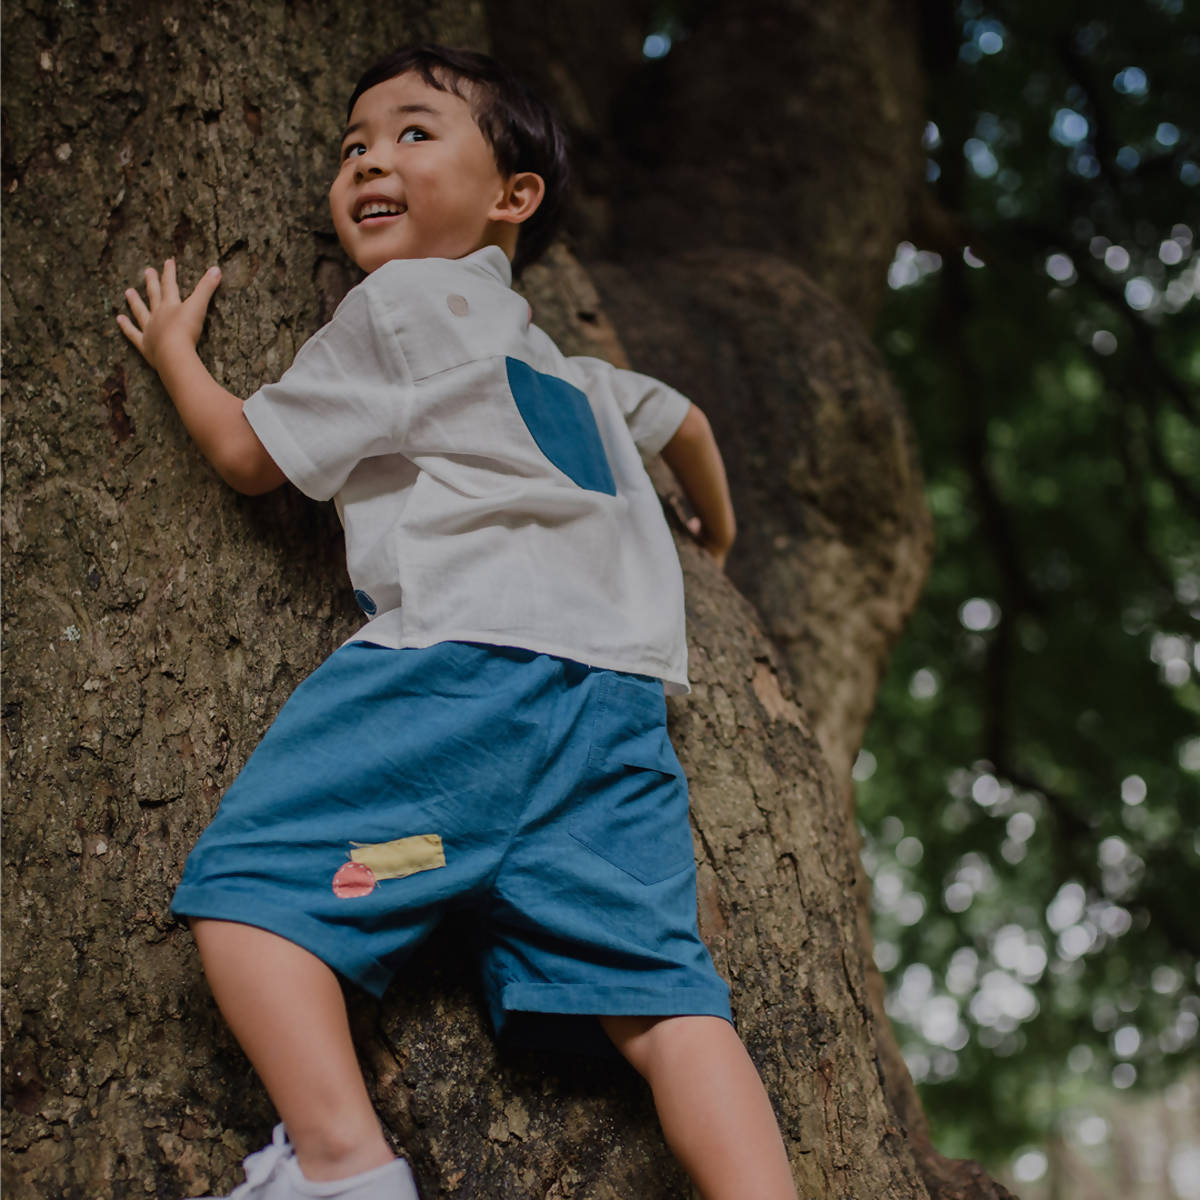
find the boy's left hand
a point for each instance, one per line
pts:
(717, 552)
(169, 321)
(695, 461)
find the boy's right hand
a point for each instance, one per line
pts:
(166, 333)
(169, 321)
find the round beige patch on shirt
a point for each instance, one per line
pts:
(458, 305)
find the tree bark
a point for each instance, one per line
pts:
(155, 621)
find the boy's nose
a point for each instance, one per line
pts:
(370, 162)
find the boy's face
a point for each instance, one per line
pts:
(417, 177)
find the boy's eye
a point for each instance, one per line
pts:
(412, 134)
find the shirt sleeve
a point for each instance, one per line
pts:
(652, 410)
(345, 398)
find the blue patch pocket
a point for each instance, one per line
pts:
(560, 420)
(631, 808)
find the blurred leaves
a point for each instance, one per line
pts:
(1030, 784)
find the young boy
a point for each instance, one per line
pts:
(494, 737)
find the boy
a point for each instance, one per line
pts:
(495, 736)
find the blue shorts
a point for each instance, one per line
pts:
(541, 794)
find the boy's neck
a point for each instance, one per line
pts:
(504, 236)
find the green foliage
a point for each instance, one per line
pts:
(1030, 786)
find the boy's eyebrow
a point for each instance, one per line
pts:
(392, 112)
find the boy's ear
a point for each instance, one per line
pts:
(522, 195)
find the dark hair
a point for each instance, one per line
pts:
(522, 131)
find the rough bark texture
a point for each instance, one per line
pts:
(155, 622)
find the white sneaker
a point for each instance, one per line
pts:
(274, 1174)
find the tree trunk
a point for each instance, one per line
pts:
(155, 621)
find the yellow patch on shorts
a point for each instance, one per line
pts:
(404, 856)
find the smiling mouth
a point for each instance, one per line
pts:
(378, 210)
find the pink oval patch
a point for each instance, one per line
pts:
(353, 879)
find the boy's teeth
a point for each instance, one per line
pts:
(378, 208)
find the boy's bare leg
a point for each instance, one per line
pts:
(714, 1110)
(286, 1009)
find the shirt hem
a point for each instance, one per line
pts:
(674, 683)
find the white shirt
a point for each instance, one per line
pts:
(491, 489)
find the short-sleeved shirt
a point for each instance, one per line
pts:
(491, 489)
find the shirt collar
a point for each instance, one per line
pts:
(491, 260)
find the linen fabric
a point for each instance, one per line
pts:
(492, 490)
(559, 813)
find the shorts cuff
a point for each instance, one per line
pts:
(612, 1001)
(313, 936)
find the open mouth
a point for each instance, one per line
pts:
(377, 211)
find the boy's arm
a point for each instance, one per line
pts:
(166, 335)
(695, 461)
